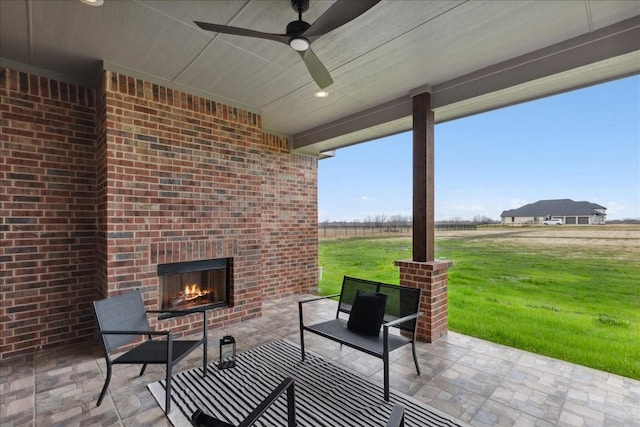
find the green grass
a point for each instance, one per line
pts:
(576, 304)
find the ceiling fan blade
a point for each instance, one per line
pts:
(282, 38)
(319, 73)
(341, 12)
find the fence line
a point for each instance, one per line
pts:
(362, 229)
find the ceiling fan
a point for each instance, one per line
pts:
(301, 34)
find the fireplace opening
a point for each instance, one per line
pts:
(187, 285)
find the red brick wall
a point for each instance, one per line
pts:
(190, 179)
(99, 188)
(47, 212)
(101, 195)
(289, 210)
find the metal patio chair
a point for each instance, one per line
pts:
(123, 320)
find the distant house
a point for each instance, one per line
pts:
(571, 212)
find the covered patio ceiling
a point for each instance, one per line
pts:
(473, 56)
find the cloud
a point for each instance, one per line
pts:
(366, 198)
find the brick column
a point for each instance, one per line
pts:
(431, 277)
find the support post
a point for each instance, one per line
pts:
(423, 272)
(423, 179)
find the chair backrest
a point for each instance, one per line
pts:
(124, 312)
(401, 300)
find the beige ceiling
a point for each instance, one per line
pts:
(472, 56)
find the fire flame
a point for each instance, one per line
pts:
(193, 291)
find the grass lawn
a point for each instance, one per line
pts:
(579, 303)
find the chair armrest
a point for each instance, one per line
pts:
(318, 298)
(200, 419)
(190, 311)
(202, 311)
(286, 385)
(134, 332)
(402, 319)
(311, 300)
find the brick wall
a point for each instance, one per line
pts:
(290, 250)
(183, 184)
(47, 212)
(130, 176)
(101, 196)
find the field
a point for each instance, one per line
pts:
(569, 292)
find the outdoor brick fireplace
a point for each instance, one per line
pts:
(193, 188)
(196, 284)
(107, 187)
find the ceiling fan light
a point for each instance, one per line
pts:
(93, 2)
(299, 43)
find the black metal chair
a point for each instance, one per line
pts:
(200, 419)
(401, 311)
(123, 320)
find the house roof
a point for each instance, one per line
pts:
(473, 56)
(559, 207)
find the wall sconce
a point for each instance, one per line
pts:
(227, 352)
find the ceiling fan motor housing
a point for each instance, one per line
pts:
(295, 28)
(300, 6)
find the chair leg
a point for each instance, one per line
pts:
(167, 400)
(415, 358)
(167, 403)
(106, 383)
(301, 329)
(144, 366)
(385, 360)
(302, 344)
(204, 359)
(204, 344)
(291, 407)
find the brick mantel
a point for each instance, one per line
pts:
(169, 252)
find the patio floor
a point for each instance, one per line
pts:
(479, 382)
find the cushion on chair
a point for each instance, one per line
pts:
(367, 313)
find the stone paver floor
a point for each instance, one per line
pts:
(481, 383)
